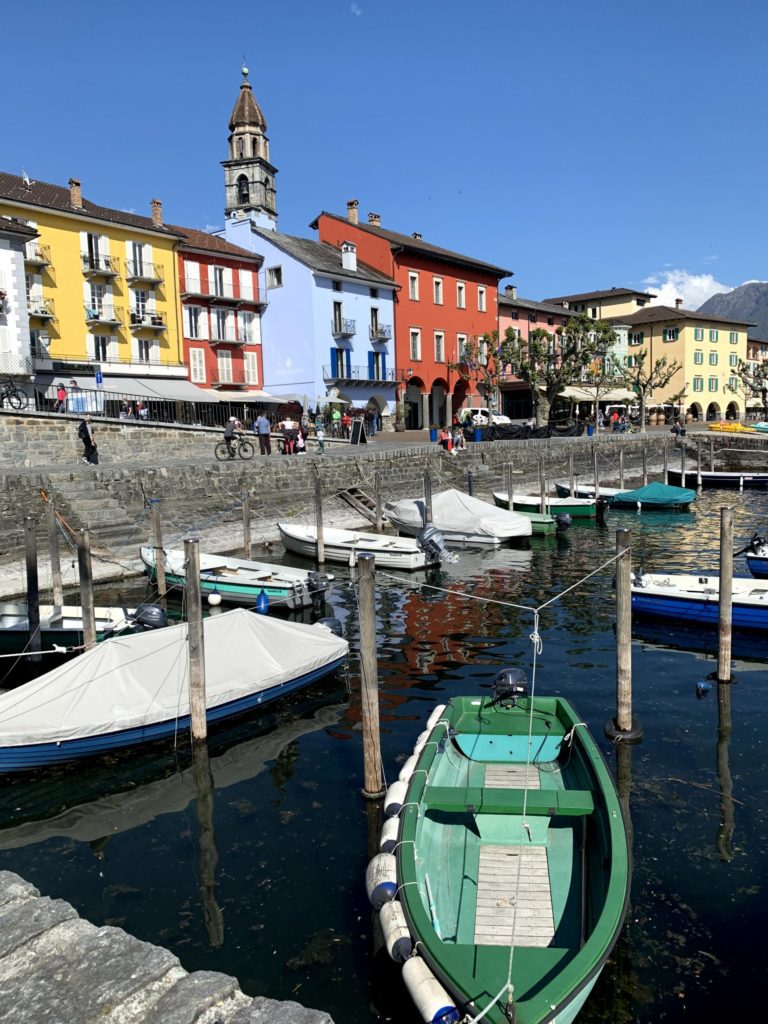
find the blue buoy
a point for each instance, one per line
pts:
(262, 602)
(702, 689)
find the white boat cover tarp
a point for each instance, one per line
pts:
(455, 512)
(133, 681)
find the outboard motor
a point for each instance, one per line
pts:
(318, 583)
(563, 521)
(510, 684)
(600, 506)
(758, 545)
(331, 623)
(149, 616)
(431, 541)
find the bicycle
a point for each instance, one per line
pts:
(10, 393)
(240, 446)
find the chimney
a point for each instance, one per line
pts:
(157, 212)
(511, 290)
(75, 194)
(374, 219)
(352, 214)
(678, 303)
(349, 256)
(417, 235)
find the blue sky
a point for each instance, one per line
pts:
(581, 144)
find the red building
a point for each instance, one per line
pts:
(221, 306)
(444, 298)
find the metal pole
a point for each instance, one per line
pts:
(621, 469)
(571, 479)
(195, 643)
(369, 680)
(682, 465)
(86, 589)
(470, 483)
(725, 615)
(644, 454)
(509, 473)
(53, 544)
(33, 587)
(319, 521)
(428, 496)
(711, 453)
(623, 632)
(377, 496)
(542, 488)
(698, 466)
(246, 525)
(666, 466)
(157, 539)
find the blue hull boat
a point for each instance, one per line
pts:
(696, 599)
(758, 566)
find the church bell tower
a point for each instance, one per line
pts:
(249, 177)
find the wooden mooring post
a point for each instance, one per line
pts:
(623, 727)
(33, 588)
(683, 453)
(369, 678)
(698, 466)
(470, 483)
(666, 464)
(594, 471)
(571, 478)
(57, 590)
(319, 521)
(377, 497)
(510, 480)
(195, 643)
(157, 543)
(621, 469)
(247, 525)
(86, 589)
(542, 487)
(428, 496)
(644, 454)
(725, 606)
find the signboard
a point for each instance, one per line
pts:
(358, 432)
(99, 379)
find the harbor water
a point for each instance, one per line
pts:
(269, 885)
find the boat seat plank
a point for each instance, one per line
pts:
(491, 800)
(513, 897)
(503, 776)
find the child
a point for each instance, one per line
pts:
(320, 435)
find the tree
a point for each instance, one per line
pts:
(484, 360)
(643, 380)
(603, 376)
(753, 380)
(549, 363)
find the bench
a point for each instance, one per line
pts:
(480, 800)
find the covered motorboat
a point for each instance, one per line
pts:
(460, 518)
(655, 497)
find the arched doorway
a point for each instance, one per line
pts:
(695, 411)
(413, 404)
(437, 402)
(713, 411)
(732, 411)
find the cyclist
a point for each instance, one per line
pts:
(230, 433)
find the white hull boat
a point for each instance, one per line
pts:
(345, 545)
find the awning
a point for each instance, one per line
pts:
(131, 387)
(177, 391)
(587, 394)
(262, 397)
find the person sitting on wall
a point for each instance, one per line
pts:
(444, 439)
(459, 444)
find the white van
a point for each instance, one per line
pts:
(480, 416)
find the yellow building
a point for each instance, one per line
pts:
(101, 284)
(602, 305)
(708, 348)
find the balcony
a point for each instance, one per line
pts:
(361, 375)
(36, 255)
(105, 313)
(224, 299)
(41, 309)
(380, 332)
(343, 328)
(232, 384)
(81, 362)
(140, 270)
(147, 320)
(194, 289)
(100, 266)
(225, 339)
(12, 365)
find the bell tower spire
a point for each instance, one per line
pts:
(249, 177)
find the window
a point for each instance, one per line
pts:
(221, 328)
(733, 337)
(137, 258)
(593, 312)
(698, 383)
(100, 348)
(514, 314)
(143, 349)
(461, 295)
(245, 325)
(481, 299)
(631, 360)
(415, 343)
(671, 333)
(439, 347)
(218, 280)
(413, 286)
(338, 318)
(437, 285)
(713, 383)
(193, 321)
(551, 321)
(698, 334)
(713, 335)
(275, 277)
(532, 317)
(224, 360)
(733, 383)
(733, 359)
(197, 365)
(374, 293)
(461, 345)
(713, 358)
(251, 368)
(635, 339)
(698, 357)
(140, 300)
(337, 286)
(192, 277)
(374, 321)
(97, 299)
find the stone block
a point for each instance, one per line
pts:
(190, 997)
(25, 920)
(268, 1011)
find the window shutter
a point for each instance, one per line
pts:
(370, 366)
(383, 365)
(246, 284)
(256, 329)
(334, 362)
(228, 281)
(5, 344)
(191, 275)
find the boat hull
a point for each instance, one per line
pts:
(696, 600)
(64, 629)
(715, 478)
(758, 566)
(554, 507)
(396, 557)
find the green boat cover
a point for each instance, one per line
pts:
(656, 495)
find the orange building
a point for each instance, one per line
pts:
(443, 300)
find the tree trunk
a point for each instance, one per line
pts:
(543, 406)
(642, 414)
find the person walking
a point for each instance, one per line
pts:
(336, 422)
(61, 398)
(85, 433)
(263, 429)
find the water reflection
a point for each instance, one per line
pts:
(725, 782)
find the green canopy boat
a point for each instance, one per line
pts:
(509, 878)
(576, 508)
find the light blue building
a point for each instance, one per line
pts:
(327, 328)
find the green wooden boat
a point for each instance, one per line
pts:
(540, 524)
(577, 508)
(511, 861)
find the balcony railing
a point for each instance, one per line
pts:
(147, 320)
(362, 373)
(140, 270)
(103, 314)
(235, 383)
(42, 309)
(37, 255)
(194, 288)
(86, 363)
(225, 339)
(100, 266)
(380, 332)
(225, 298)
(343, 328)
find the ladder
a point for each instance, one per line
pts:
(360, 502)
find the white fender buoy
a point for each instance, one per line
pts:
(421, 740)
(408, 766)
(396, 935)
(388, 837)
(435, 716)
(429, 997)
(381, 879)
(394, 798)
(214, 598)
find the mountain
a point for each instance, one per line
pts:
(748, 302)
